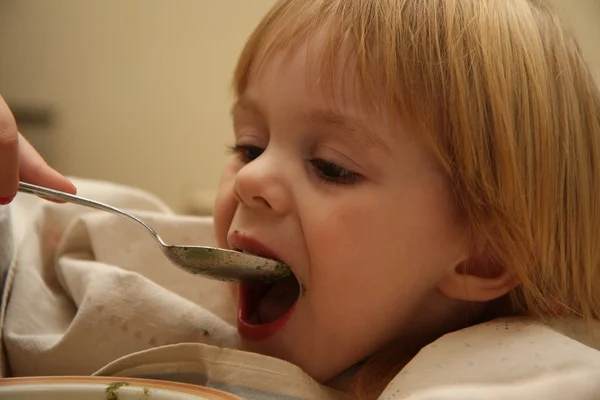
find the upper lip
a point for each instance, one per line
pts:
(239, 241)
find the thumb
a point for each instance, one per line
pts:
(9, 154)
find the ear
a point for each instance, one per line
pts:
(477, 280)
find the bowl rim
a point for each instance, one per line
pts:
(172, 386)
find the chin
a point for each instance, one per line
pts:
(316, 366)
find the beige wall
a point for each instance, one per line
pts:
(584, 18)
(141, 87)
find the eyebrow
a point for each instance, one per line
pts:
(353, 128)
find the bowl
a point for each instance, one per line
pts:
(104, 388)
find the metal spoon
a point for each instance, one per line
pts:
(215, 263)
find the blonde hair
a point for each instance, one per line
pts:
(500, 91)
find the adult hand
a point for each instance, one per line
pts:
(20, 162)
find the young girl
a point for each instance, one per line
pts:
(421, 165)
(414, 162)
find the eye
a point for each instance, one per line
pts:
(333, 173)
(246, 153)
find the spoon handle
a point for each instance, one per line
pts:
(62, 196)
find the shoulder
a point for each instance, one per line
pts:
(492, 354)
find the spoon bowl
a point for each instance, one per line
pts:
(225, 264)
(211, 262)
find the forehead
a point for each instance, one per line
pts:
(316, 85)
(310, 70)
(300, 84)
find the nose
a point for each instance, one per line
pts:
(261, 184)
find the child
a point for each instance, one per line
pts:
(421, 165)
(415, 163)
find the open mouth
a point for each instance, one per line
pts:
(264, 308)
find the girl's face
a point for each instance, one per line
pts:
(352, 202)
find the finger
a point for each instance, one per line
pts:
(9, 154)
(33, 169)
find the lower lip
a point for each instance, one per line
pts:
(257, 332)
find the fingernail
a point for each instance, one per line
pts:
(5, 200)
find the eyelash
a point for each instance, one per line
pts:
(327, 171)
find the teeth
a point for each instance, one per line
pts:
(244, 251)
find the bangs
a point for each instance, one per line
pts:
(360, 36)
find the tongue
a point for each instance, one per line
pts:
(280, 298)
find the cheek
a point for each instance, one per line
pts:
(360, 266)
(350, 228)
(400, 246)
(349, 246)
(406, 237)
(225, 205)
